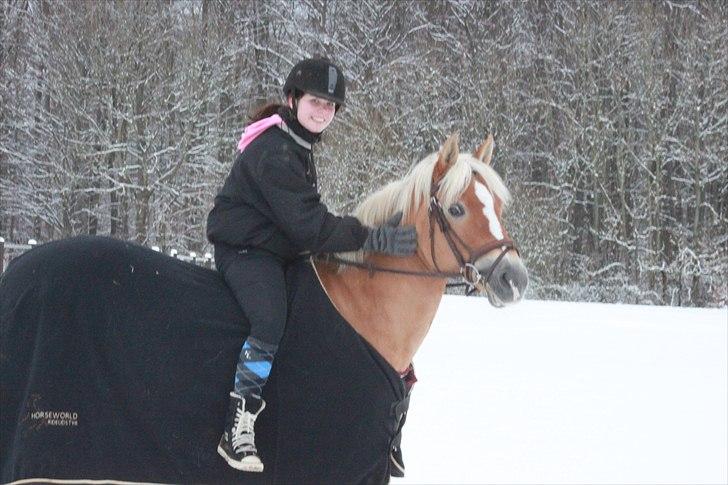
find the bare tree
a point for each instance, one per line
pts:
(122, 118)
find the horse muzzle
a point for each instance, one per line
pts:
(507, 281)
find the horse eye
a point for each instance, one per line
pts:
(456, 210)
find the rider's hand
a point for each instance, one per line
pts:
(391, 239)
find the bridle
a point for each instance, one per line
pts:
(464, 255)
(468, 271)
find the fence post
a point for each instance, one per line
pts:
(193, 257)
(208, 260)
(2, 254)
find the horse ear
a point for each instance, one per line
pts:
(485, 150)
(448, 155)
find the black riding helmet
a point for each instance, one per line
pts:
(319, 77)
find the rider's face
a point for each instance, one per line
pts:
(314, 113)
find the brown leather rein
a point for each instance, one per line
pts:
(468, 271)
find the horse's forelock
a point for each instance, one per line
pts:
(456, 180)
(493, 180)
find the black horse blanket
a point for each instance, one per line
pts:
(116, 363)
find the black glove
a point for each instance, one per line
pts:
(391, 239)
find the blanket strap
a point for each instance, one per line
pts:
(399, 409)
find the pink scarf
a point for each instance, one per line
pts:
(254, 129)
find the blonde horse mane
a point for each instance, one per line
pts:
(409, 192)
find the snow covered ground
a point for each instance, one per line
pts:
(570, 393)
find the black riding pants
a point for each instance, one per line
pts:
(257, 279)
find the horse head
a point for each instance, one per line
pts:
(461, 227)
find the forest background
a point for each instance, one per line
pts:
(121, 118)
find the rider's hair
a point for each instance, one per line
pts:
(265, 111)
(271, 108)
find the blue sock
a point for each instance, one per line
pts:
(254, 365)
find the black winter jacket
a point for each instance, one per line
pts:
(270, 201)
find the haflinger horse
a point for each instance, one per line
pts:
(455, 201)
(116, 361)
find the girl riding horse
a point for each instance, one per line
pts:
(139, 345)
(267, 214)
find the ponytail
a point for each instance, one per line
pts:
(265, 111)
(270, 109)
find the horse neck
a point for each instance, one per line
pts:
(392, 312)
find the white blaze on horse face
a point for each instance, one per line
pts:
(482, 192)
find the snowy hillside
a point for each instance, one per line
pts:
(570, 393)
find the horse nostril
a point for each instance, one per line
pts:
(505, 280)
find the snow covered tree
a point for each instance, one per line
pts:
(122, 118)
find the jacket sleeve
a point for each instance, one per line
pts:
(297, 208)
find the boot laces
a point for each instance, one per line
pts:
(243, 439)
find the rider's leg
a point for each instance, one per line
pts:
(257, 280)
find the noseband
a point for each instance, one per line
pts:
(468, 271)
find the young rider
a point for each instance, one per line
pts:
(267, 214)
